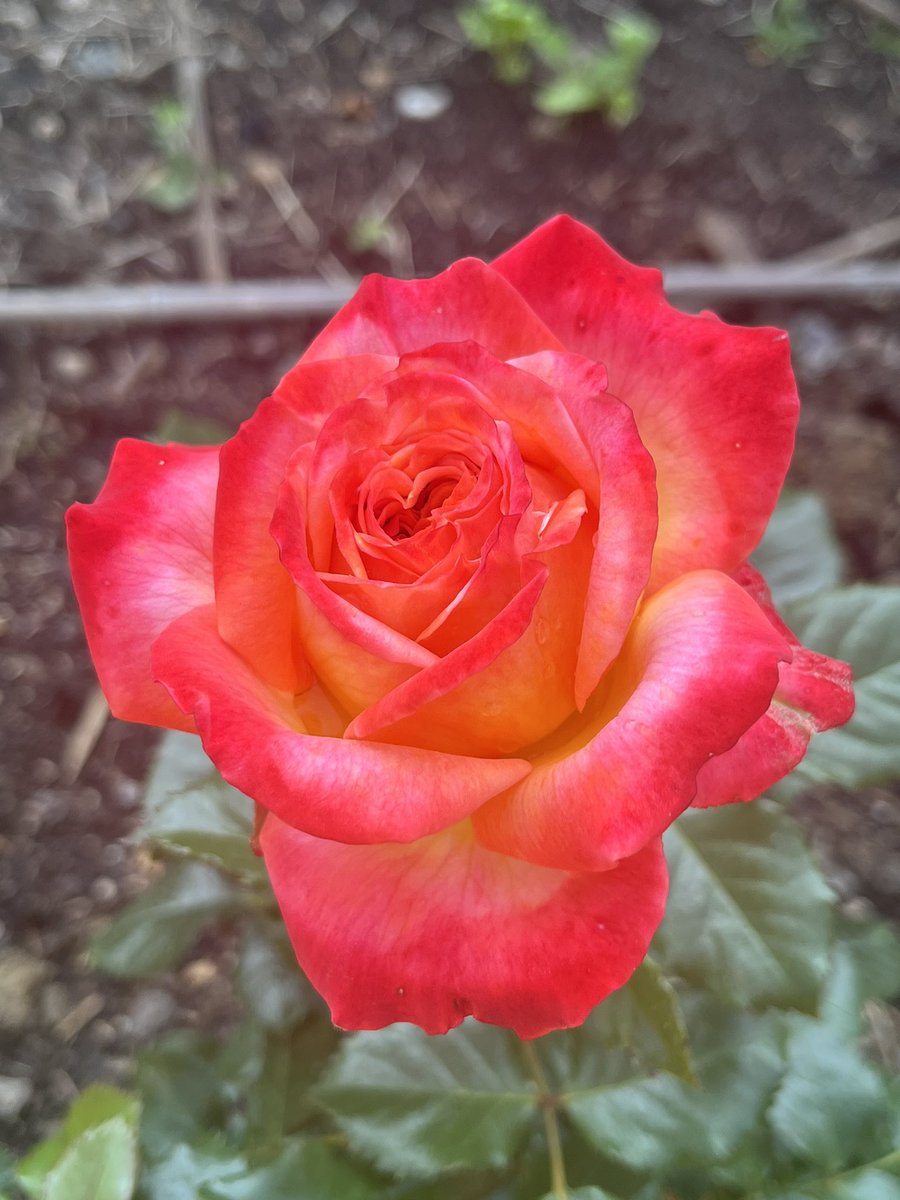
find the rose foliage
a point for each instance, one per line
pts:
(465, 608)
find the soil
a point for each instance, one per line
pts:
(732, 156)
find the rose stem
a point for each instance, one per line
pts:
(547, 1101)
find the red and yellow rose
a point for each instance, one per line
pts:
(464, 606)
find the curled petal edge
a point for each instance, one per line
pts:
(141, 556)
(814, 693)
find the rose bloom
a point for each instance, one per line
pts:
(465, 608)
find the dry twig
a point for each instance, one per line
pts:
(849, 247)
(83, 736)
(190, 72)
(266, 171)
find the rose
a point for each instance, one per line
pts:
(472, 623)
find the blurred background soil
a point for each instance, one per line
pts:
(350, 136)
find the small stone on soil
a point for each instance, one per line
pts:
(14, 1095)
(418, 103)
(20, 973)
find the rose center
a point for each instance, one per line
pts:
(408, 497)
(401, 517)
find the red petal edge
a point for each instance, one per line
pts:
(814, 693)
(436, 931)
(467, 302)
(716, 405)
(699, 668)
(140, 556)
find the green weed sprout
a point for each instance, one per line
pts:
(606, 81)
(369, 233)
(517, 32)
(785, 31)
(172, 185)
(512, 32)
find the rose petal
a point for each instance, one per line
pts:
(315, 391)
(507, 683)
(628, 519)
(410, 608)
(698, 669)
(408, 418)
(513, 392)
(467, 302)
(356, 656)
(435, 931)
(140, 557)
(476, 729)
(264, 743)
(716, 405)
(254, 593)
(814, 693)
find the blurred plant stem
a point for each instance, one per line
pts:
(548, 1103)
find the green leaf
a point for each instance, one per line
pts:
(862, 1183)
(181, 1091)
(572, 91)
(865, 966)
(582, 1193)
(269, 980)
(100, 1165)
(633, 36)
(305, 1169)
(193, 1083)
(749, 915)
(607, 81)
(96, 1107)
(481, 1186)
(417, 1105)
(658, 1002)
(658, 1122)
(311, 1046)
(786, 30)
(171, 126)
(860, 625)
(799, 554)
(189, 806)
(268, 1102)
(831, 1108)
(157, 928)
(172, 186)
(644, 1017)
(188, 1172)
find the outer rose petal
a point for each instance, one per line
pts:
(467, 302)
(698, 669)
(140, 557)
(440, 929)
(254, 593)
(263, 743)
(814, 693)
(716, 405)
